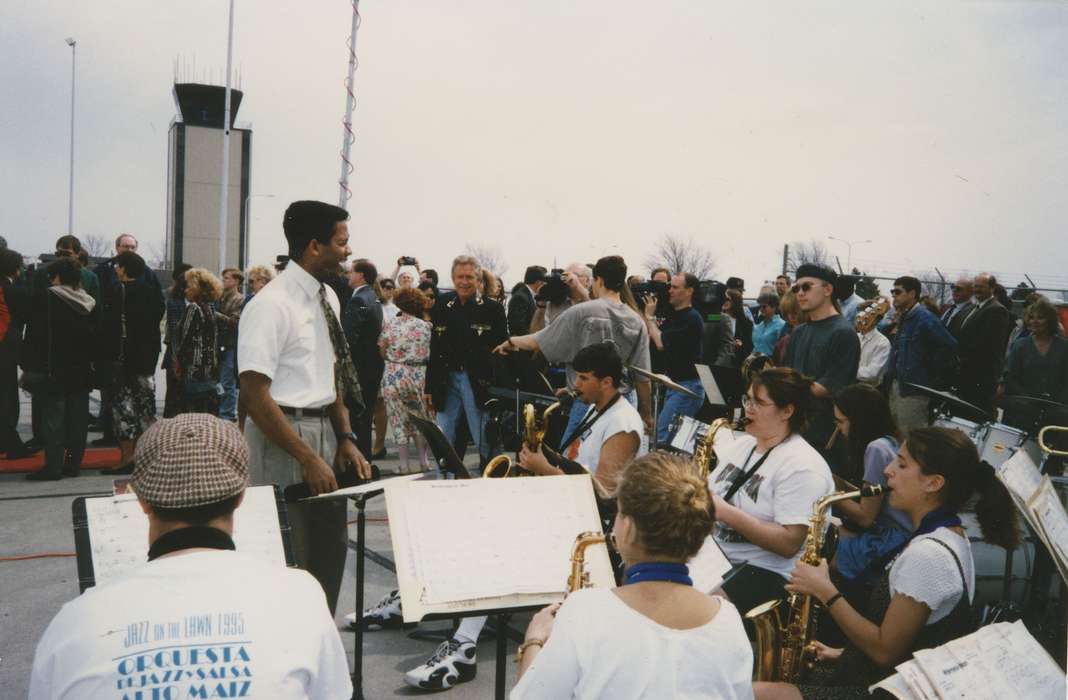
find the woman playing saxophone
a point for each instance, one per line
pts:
(926, 585)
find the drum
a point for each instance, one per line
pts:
(974, 431)
(999, 442)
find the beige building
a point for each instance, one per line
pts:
(194, 176)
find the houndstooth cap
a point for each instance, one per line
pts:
(190, 460)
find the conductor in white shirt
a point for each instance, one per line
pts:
(294, 358)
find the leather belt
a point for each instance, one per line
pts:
(304, 412)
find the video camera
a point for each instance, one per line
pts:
(708, 299)
(654, 288)
(555, 289)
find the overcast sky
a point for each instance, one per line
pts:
(572, 129)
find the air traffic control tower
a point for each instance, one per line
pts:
(194, 177)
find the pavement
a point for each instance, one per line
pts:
(35, 520)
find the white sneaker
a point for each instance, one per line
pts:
(453, 662)
(384, 614)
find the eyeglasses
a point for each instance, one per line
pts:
(805, 287)
(750, 401)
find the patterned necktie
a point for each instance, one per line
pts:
(345, 379)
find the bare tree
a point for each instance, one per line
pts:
(96, 246)
(813, 252)
(489, 256)
(155, 259)
(681, 255)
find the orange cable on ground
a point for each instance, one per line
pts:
(44, 555)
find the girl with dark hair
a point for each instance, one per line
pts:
(764, 487)
(862, 417)
(923, 597)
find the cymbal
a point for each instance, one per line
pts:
(663, 379)
(952, 400)
(1049, 403)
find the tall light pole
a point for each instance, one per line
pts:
(849, 247)
(225, 184)
(70, 194)
(248, 217)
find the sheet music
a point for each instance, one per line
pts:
(896, 686)
(916, 681)
(518, 539)
(118, 531)
(1020, 475)
(1046, 507)
(708, 567)
(366, 488)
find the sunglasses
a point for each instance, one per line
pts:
(897, 292)
(805, 287)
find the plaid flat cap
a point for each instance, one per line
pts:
(190, 460)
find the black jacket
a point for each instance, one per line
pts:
(984, 337)
(61, 337)
(362, 323)
(463, 338)
(520, 310)
(143, 308)
(957, 322)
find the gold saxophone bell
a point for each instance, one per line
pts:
(498, 468)
(1044, 446)
(534, 430)
(786, 629)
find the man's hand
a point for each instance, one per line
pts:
(348, 457)
(536, 462)
(319, 477)
(505, 348)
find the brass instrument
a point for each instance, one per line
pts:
(871, 313)
(1044, 446)
(580, 578)
(702, 454)
(534, 430)
(785, 638)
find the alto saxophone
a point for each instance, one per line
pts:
(580, 578)
(534, 430)
(785, 638)
(702, 454)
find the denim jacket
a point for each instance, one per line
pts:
(924, 352)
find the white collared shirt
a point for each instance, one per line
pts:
(283, 335)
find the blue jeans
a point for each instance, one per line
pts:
(228, 379)
(460, 401)
(678, 404)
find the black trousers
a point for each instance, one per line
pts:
(364, 423)
(64, 426)
(9, 407)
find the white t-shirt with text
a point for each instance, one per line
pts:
(783, 490)
(200, 625)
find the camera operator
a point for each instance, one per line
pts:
(612, 315)
(678, 343)
(563, 289)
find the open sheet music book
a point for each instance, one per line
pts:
(999, 661)
(1040, 504)
(118, 531)
(516, 548)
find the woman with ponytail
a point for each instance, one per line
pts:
(924, 596)
(655, 636)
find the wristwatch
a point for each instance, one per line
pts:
(348, 436)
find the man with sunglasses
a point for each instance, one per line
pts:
(825, 349)
(923, 353)
(957, 313)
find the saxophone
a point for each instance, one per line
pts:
(534, 430)
(702, 454)
(784, 637)
(580, 578)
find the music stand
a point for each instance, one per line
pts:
(668, 384)
(444, 454)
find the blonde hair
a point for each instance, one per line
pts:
(260, 272)
(234, 272)
(669, 503)
(207, 286)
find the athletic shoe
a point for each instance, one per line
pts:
(454, 662)
(384, 614)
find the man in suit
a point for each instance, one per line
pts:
(983, 336)
(954, 315)
(362, 323)
(521, 307)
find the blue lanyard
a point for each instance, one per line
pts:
(658, 571)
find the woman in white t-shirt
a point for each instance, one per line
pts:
(923, 599)
(655, 636)
(765, 485)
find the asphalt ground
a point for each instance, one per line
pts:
(35, 519)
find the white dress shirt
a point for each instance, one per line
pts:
(874, 352)
(283, 335)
